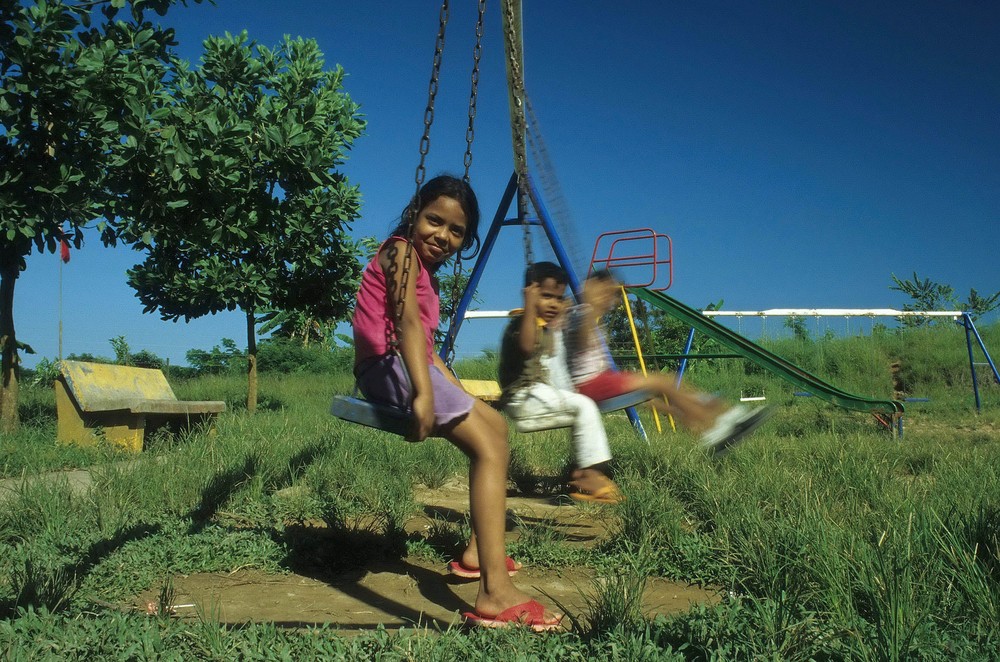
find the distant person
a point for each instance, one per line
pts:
(445, 219)
(537, 391)
(720, 426)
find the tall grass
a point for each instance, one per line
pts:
(928, 362)
(826, 538)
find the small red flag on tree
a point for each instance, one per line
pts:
(63, 247)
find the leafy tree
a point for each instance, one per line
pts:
(228, 358)
(296, 326)
(797, 324)
(69, 74)
(141, 359)
(46, 372)
(368, 247)
(243, 208)
(123, 352)
(928, 295)
(218, 360)
(659, 333)
(303, 327)
(977, 305)
(451, 289)
(288, 356)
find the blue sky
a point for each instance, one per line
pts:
(796, 153)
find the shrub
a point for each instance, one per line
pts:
(44, 374)
(219, 360)
(291, 356)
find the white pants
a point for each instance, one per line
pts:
(543, 407)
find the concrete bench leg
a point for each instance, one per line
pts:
(76, 427)
(124, 429)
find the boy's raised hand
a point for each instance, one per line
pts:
(526, 337)
(532, 294)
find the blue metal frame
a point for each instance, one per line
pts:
(684, 361)
(499, 221)
(970, 331)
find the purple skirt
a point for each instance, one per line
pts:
(384, 380)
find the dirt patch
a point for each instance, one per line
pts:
(412, 592)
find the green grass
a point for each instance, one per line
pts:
(830, 539)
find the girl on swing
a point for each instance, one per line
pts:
(442, 220)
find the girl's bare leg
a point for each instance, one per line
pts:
(470, 555)
(476, 435)
(692, 408)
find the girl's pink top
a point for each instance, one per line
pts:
(373, 313)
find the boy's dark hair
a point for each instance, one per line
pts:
(539, 271)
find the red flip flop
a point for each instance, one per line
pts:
(530, 614)
(459, 569)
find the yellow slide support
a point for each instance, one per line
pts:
(642, 362)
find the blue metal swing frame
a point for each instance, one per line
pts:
(544, 220)
(398, 421)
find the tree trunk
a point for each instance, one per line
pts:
(10, 364)
(251, 363)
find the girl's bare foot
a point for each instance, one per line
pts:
(489, 605)
(469, 560)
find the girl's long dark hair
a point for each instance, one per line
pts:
(456, 189)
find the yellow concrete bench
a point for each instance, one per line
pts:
(486, 390)
(122, 402)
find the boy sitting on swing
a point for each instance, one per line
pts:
(537, 391)
(720, 427)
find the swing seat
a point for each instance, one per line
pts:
(556, 421)
(381, 417)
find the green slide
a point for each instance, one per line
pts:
(765, 359)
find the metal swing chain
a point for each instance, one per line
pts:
(392, 338)
(477, 54)
(552, 192)
(519, 129)
(470, 136)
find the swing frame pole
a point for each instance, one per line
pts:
(489, 242)
(684, 361)
(545, 220)
(521, 186)
(500, 220)
(966, 322)
(970, 331)
(557, 247)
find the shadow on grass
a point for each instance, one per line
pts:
(264, 403)
(343, 558)
(458, 517)
(218, 492)
(43, 585)
(301, 460)
(37, 413)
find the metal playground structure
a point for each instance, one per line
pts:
(972, 337)
(632, 251)
(627, 252)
